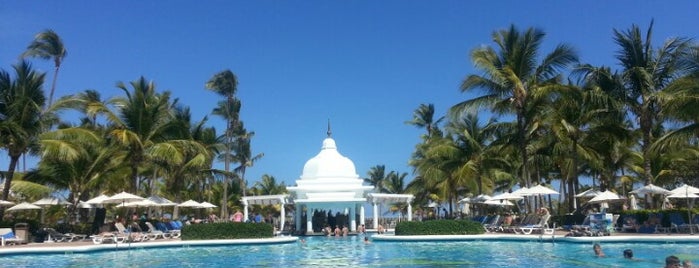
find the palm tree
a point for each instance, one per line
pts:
(21, 101)
(48, 45)
(377, 176)
(423, 117)
(268, 186)
(513, 81)
(225, 84)
(646, 72)
(243, 155)
(483, 162)
(76, 159)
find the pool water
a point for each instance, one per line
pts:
(353, 252)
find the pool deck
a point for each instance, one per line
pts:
(557, 236)
(87, 246)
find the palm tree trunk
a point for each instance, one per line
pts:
(53, 86)
(8, 181)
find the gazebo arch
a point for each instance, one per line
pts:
(378, 198)
(266, 200)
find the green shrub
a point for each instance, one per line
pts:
(228, 230)
(439, 227)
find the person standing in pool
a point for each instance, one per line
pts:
(672, 262)
(628, 254)
(598, 250)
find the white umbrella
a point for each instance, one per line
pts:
(605, 196)
(481, 198)
(500, 202)
(23, 206)
(537, 190)
(83, 204)
(142, 203)
(633, 202)
(520, 191)
(122, 197)
(683, 195)
(50, 201)
(161, 201)
(6, 203)
(651, 189)
(207, 205)
(97, 200)
(685, 189)
(507, 196)
(190, 203)
(588, 193)
(465, 200)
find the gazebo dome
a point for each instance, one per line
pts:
(329, 163)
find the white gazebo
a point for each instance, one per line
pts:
(329, 181)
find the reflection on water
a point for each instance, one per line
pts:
(353, 252)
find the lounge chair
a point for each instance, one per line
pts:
(132, 236)
(161, 226)
(108, 237)
(528, 220)
(494, 224)
(154, 233)
(539, 226)
(54, 236)
(8, 237)
(677, 223)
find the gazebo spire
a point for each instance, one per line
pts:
(329, 131)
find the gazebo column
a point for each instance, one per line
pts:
(309, 219)
(282, 202)
(410, 211)
(353, 219)
(245, 210)
(376, 215)
(297, 216)
(361, 214)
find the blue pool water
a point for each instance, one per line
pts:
(353, 252)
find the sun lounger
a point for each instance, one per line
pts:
(154, 233)
(168, 230)
(108, 237)
(8, 237)
(132, 236)
(539, 226)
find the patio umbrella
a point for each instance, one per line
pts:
(588, 193)
(207, 205)
(23, 206)
(520, 191)
(122, 197)
(5, 203)
(683, 195)
(161, 201)
(500, 202)
(141, 203)
(97, 200)
(633, 203)
(46, 202)
(651, 189)
(481, 198)
(538, 190)
(685, 189)
(189, 204)
(507, 196)
(604, 197)
(50, 201)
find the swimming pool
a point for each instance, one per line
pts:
(353, 252)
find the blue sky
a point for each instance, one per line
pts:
(365, 65)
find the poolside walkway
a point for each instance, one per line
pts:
(88, 246)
